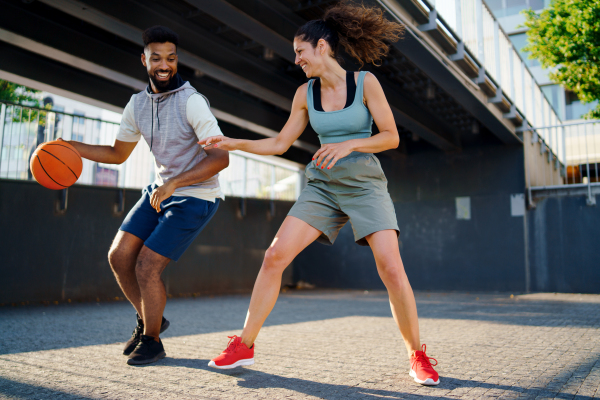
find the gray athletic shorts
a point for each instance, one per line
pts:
(354, 189)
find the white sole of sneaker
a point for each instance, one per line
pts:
(238, 363)
(426, 382)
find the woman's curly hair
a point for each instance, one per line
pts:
(363, 32)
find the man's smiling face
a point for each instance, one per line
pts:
(160, 60)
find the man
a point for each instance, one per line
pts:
(171, 116)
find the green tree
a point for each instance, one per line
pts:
(566, 35)
(19, 94)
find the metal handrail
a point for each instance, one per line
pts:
(580, 122)
(22, 128)
(10, 103)
(584, 165)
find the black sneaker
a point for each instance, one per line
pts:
(138, 332)
(147, 351)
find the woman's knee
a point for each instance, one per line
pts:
(275, 260)
(393, 275)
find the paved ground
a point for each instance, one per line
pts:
(330, 345)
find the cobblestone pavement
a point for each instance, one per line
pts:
(316, 344)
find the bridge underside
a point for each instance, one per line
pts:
(239, 54)
(457, 179)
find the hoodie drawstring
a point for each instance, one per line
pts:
(157, 115)
(157, 118)
(152, 123)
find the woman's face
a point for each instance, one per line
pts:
(310, 58)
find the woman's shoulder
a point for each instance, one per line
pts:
(303, 88)
(370, 80)
(300, 96)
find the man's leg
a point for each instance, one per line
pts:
(122, 257)
(148, 270)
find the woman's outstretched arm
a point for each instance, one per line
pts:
(272, 146)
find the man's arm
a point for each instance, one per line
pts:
(120, 151)
(215, 161)
(115, 154)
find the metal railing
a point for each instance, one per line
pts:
(576, 168)
(478, 37)
(23, 128)
(254, 176)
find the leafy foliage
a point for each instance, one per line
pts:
(20, 94)
(566, 35)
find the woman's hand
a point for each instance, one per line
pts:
(329, 154)
(160, 194)
(219, 142)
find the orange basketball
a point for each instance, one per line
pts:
(56, 165)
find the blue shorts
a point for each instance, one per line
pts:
(170, 231)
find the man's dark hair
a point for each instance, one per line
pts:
(160, 34)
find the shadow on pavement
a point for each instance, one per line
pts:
(38, 328)
(254, 379)
(26, 391)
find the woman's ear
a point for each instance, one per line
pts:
(322, 46)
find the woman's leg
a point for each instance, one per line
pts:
(402, 300)
(293, 237)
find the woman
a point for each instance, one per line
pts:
(345, 180)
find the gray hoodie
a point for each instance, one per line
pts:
(162, 121)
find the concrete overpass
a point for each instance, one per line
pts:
(239, 54)
(457, 179)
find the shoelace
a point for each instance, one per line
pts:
(424, 359)
(137, 331)
(232, 345)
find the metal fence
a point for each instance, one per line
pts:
(252, 176)
(23, 128)
(471, 25)
(574, 169)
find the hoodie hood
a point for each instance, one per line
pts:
(177, 84)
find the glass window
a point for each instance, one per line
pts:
(496, 6)
(514, 7)
(553, 94)
(505, 8)
(537, 4)
(520, 41)
(575, 109)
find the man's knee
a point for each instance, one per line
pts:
(120, 260)
(149, 266)
(124, 251)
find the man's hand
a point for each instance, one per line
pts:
(160, 194)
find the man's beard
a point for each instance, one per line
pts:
(161, 85)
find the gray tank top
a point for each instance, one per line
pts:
(353, 122)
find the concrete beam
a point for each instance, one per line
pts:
(243, 23)
(122, 79)
(132, 34)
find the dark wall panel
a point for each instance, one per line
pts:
(48, 257)
(439, 251)
(563, 245)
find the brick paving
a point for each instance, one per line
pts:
(315, 345)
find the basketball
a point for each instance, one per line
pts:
(56, 165)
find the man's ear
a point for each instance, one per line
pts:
(144, 59)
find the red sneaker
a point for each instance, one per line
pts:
(235, 355)
(422, 370)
